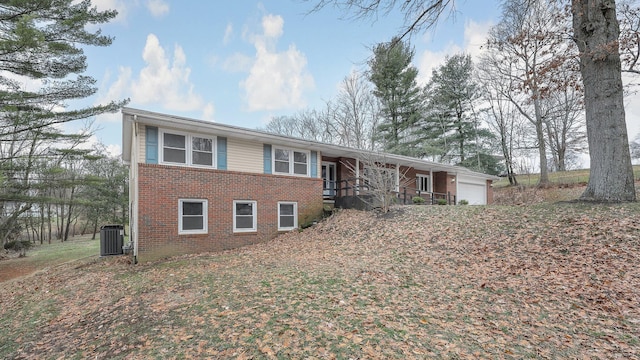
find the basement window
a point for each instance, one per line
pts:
(192, 216)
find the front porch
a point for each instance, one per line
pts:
(355, 194)
(348, 183)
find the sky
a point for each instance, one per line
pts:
(243, 62)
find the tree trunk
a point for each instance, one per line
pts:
(596, 31)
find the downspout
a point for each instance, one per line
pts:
(134, 179)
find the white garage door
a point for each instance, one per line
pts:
(473, 192)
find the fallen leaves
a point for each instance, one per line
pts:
(546, 281)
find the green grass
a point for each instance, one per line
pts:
(48, 255)
(61, 252)
(559, 177)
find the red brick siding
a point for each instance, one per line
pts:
(440, 182)
(489, 192)
(161, 187)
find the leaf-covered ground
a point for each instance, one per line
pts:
(548, 281)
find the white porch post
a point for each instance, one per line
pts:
(397, 177)
(357, 176)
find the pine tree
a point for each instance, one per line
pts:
(394, 78)
(452, 124)
(41, 44)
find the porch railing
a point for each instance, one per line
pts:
(342, 190)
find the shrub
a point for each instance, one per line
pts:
(17, 245)
(463, 202)
(442, 201)
(418, 200)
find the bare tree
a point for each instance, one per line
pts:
(356, 113)
(530, 46)
(628, 13)
(503, 117)
(307, 124)
(379, 180)
(565, 120)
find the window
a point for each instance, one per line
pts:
(244, 216)
(293, 162)
(423, 183)
(201, 151)
(173, 148)
(187, 149)
(287, 215)
(192, 217)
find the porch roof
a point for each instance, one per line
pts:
(131, 115)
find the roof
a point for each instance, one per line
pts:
(130, 115)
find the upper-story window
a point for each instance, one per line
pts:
(292, 162)
(187, 149)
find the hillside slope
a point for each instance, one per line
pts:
(558, 281)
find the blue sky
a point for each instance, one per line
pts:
(242, 62)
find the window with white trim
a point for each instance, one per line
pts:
(287, 215)
(292, 162)
(245, 217)
(187, 149)
(192, 216)
(423, 183)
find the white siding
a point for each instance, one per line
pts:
(245, 156)
(142, 136)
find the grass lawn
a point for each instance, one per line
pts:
(498, 282)
(46, 255)
(559, 177)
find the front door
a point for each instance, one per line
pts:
(329, 179)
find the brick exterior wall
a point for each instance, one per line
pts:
(161, 187)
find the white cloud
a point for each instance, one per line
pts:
(430, 60)
(272, 26)
(277, 80)
(208, 112)
(228, 33)
(475, 35)
(238, 63)
(164, 81)
(161, 81)
(158, 8)
(120, 5)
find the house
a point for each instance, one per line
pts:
(202, 186)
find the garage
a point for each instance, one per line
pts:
(472, 190)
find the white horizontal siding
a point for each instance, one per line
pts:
(245, 156)
(142, 143)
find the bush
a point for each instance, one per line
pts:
(418, 200)
(463, 202)
(17, 245)
(442, 201)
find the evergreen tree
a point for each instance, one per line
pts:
(452, 124)
(394, 78)
(41, 44)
